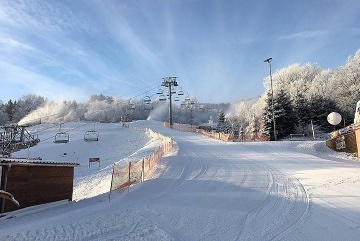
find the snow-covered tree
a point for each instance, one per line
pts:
(301, 112)
(222, 125)
(345, 86)
(10, 109)
(267, 118)
(3, 115)
(285, 117)
(320, 107)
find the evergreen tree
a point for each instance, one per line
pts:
(221, 121)
(267, 120)
(253, 125)
(302, 112)
(320, 108)
(285, 116)
(3, 115)
(10, 109)
(223, 125)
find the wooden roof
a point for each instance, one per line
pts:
(34, 162)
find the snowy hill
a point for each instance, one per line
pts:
(116, 144)
(206, 190)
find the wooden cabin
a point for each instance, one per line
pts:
(33, 182)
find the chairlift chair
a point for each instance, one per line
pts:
(162, 97)
(91, 136)
(61, 137)
(147, 99)
(160, 91)
(148, 106)
(177, 98)
(181, 92)
(131, 106)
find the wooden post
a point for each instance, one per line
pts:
(142, 170)
(112, 178)
(129, 176)
(312, 128)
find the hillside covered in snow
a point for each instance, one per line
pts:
(205, 190)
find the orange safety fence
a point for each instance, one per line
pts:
(120, 178)
(255, 136)
(136, 172)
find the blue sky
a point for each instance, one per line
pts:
(70, 49)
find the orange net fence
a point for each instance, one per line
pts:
(136, 172)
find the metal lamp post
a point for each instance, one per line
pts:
(272, 96)
(169, 82)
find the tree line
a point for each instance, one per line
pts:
(32, 109)
(303, 95)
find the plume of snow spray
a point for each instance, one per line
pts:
(159, 112)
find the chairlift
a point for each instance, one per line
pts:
(131, 105)
(160, 91)
(181, 92)
(183, 104)
(148, 106)
(92, 135)
(173, 91)
(187, 98)
(61, 137)
(162, 97)
(176, 98)
(147, 99)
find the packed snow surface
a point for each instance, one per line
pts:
(205, 190)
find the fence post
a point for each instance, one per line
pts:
(129, 176)
(142, 170)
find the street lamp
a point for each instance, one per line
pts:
(169, 82)
(272, 96)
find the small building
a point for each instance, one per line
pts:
(33, 182)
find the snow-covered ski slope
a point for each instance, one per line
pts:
(212, 190)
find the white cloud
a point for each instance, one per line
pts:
(26, 81)
(304, 35)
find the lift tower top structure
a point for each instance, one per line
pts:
(170, 82)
